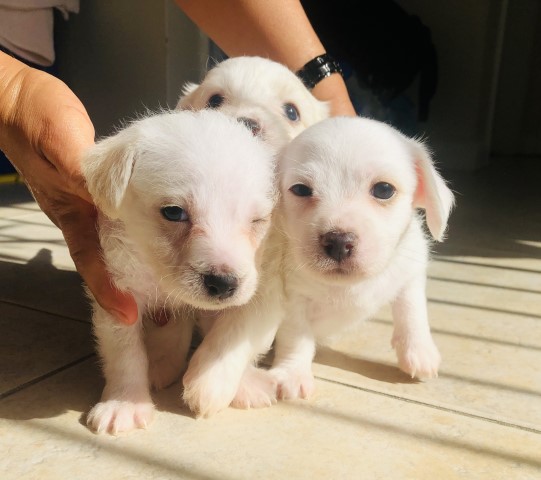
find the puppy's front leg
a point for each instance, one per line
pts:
(221, 370)
(294, 348)
(415, 349)
(125, 403)
(167, 347)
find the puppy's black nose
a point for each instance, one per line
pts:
(220, 286)
(252, 124)
(338, 245)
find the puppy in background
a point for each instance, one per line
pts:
(180, 230)
(350, 192)
(264, 95)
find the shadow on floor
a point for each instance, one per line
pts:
(39, 284)
(366, 368)
(496, 212)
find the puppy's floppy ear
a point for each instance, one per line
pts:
(431, 194)
(185, 100)
(107, 168)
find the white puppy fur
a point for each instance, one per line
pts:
(186, 200)
(270, 100)
(350, 190)
(222, 370)
(263, 94)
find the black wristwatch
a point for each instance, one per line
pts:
(317, 69)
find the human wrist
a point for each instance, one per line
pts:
(333, 90)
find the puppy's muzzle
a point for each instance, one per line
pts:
(338, 245)
(253, 125)
(220, 286)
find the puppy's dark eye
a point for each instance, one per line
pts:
(383, 190)
(291, 112)
(174, 213)
(301, 190)
(215, 101)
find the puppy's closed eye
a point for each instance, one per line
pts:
(262, 219)
(260, 224)
(174, 213)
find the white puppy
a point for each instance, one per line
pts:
(186, 200)
(350, 191)
(276, 106)
(222, 370)
(265, 95)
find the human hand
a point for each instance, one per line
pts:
(44, 130)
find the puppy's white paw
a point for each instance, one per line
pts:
(293, 383)
(418, 357)
(118, 416)
(257, 389)
(207, 391)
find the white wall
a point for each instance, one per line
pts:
(467, 35)
(186, 51)
(517, 119)
(124, 56)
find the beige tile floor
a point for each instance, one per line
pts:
(481, 419)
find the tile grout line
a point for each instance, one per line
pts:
(447, 259)
(364, 389)
(435, 407)
(488, 309)
(45, 376)
(482, 285)
(34, 309)
(475, 338)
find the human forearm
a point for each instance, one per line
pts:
(278, 29)
(11, 79)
